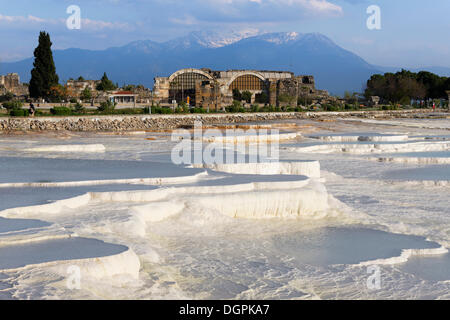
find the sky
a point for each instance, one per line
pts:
(413, 34)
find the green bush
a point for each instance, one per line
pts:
(156, 110)
(19, 113)
(6, 97)
(10, 105)
(405, 101)
(166, 110)
(129, 111)
(291, 109)
(350, 107)
(330, 107)
(61, 111)
(78, 107)
(246, 96)
(235, 107)
(198, 110)
(237, 95)
(254, 108)
(107, 106)
(262, 98)
(185, 107)
(179, 110)
(389, 107)
(159, 110)
(270, 108)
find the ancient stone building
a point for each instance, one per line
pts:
(207, 94)
(214, 89)
(374, 101)
(141, 94)
(11, 83)
(78, 86)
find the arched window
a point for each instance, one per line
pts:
(247, 82)
(186, 81)
(183, 86)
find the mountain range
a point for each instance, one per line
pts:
(335, 69)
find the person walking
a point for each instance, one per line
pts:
(32, 109)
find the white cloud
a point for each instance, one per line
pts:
(318, 6)
(187, 20)
(322, 6)
(91, 25)
(101, 25)
(14, 19)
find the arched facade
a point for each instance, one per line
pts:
(213, 89)
(182, 84)
(190, 70)
(247, 81)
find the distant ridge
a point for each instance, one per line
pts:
(138, 62)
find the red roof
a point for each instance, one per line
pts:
(128, 93)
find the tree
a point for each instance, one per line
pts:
(107, 106)
(402, 85)
(129, 87)
(262, 98)
(351, 97)
(43, 75)
(235, 107)
(106, 84)
(237, 95)
(434, 84)
(8, 96)
(447, 85)
(58, 93)
(12, 105)
(86, 94)
(80, 78)
(246, 96)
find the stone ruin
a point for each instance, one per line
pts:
(143, 95)
(213, 90)
(11, 83)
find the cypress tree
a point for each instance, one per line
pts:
(43, 75)
(106, 84)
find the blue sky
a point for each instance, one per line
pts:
(414, 33)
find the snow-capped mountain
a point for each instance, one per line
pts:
(209, 39)
(280, 37)
(138, 62)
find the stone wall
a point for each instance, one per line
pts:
(11, 83)
(288, 92)
(163, 122)
(276, 83)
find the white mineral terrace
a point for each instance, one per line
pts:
(308, 225)
(354, 138)
(249, 137)
(88, 148)
(307, 168)
(375, 148)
